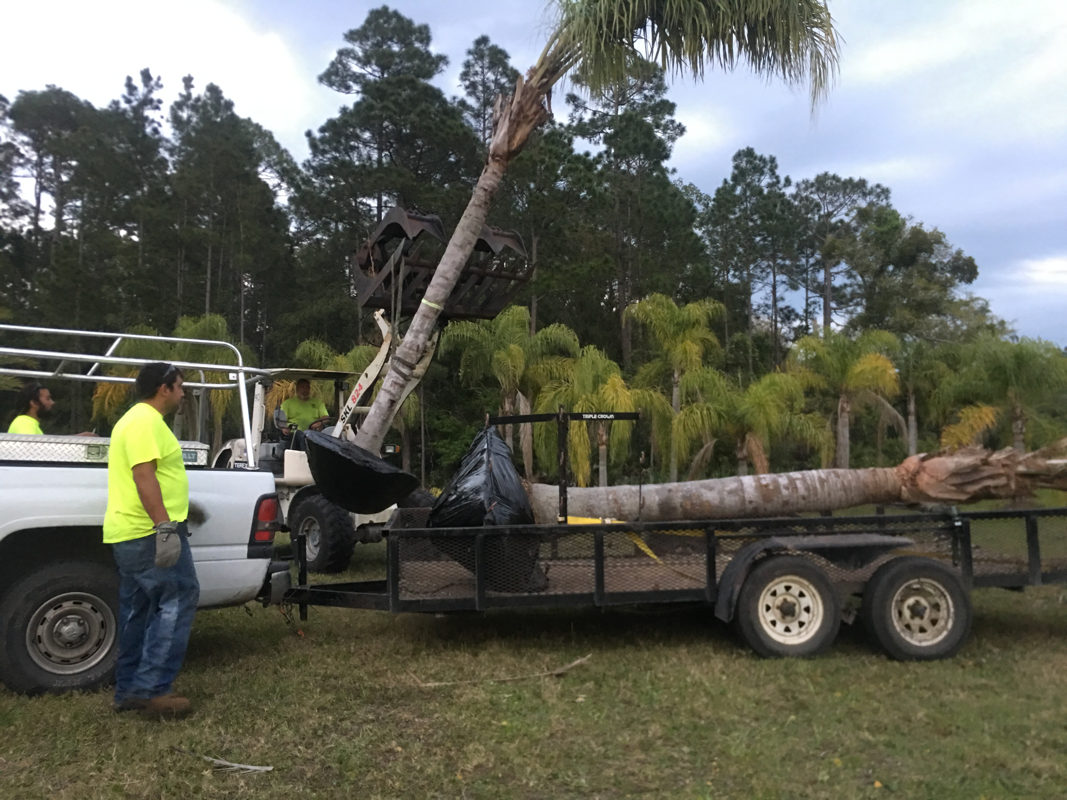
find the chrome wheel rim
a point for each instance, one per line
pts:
(922, 612)
(71, 633)
(791, 610)
(310, 528)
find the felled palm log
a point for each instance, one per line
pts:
(950, 478)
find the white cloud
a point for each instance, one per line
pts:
(1051, 271)
(992, 69)
(901, 169)
(98, 44)
(706, 130)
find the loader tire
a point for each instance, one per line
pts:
(330, 536)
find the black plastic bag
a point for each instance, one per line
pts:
(353, 478)
(486, 492)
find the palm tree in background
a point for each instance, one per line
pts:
(682, 338)
(922, 369)
(857, 370)
(505, 350)
(1012, 384)
(750, 419)
(592, 382)
(793, 40)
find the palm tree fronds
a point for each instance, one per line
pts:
(974, 421)
(794, 40)
(873, 372)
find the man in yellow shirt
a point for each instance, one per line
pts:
(34, 404)
(147, 504)
(302, 411)
(34, 401)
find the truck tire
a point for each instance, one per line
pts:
(916, 609)
(330, 537)
(788, 607)
(59, 628)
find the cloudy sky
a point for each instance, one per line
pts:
(959, 106)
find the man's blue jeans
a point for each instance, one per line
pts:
(156, 609)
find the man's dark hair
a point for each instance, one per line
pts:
(30, 393)
(303, 380)
(154, 375)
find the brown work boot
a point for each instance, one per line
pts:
(130, 704)
(167, 706)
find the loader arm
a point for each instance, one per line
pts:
(369, 376)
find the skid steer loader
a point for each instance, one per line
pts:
(391, 272)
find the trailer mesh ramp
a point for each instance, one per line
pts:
(557, 561)
(1003, 544)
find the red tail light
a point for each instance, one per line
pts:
(267, 521)
(268, 510)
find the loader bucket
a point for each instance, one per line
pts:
(353, 478)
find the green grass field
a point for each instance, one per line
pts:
(670, 704)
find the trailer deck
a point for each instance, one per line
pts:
(442, 570)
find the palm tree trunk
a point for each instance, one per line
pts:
(676, 404)
(968, 475)
(602, 452)
(742, 458)
(844, 407)
(411, 349)
(526, 438)
(1018, 430)
(509, 411)
(725, 498)
(515, 118)
(913, 425)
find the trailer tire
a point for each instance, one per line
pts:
(788, 607)
(59, 626)
(916, 609)
(330, 536)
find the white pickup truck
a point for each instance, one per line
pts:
(58, 581)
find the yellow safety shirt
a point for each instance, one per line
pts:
(303, 412)
(24, 423)
(139, 437)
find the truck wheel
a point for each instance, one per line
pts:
(59, 628)
(330, 537)
(916, 609)
(788, 607)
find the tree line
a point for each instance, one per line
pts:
(734, 305)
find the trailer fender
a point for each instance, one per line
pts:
(846, 550)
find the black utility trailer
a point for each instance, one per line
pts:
(786, 583)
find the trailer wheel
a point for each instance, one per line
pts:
(330, 537)
(916, 609)
(788, 607)
(59, 628)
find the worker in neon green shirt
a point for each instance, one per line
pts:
(145, 524)
(302, 411)
(34, 402)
